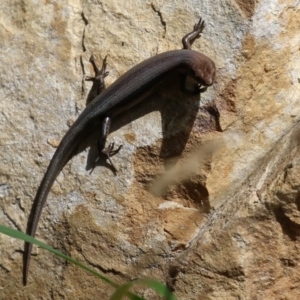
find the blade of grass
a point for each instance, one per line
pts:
(160, 288)
(121, 291)
(27, 238)
(157, 286)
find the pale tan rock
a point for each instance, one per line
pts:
(223, 220)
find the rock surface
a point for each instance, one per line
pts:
(207, 197)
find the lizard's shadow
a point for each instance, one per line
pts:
(178, 113)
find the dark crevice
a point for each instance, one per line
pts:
(163, 22)
(5, 269)
(289, 228)
(52, 296)
(103, 270)
(231, 273)
(194, 191)
(297, 201)
(85, 20)
(83, 34)
(173, 273)
(287, 262)
(12, 220)
(214, 112)
(18, 200)
(83, 79)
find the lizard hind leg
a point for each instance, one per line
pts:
(98, 80)
(189, 38)
(108, 151)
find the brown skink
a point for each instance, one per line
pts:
(124, 93)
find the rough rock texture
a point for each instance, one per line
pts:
(207, 197)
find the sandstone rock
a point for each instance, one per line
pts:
(207, 194)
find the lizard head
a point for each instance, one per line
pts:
(204, 70)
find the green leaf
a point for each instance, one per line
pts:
(121, 292)
(157, 286)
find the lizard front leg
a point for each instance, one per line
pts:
(100, 74)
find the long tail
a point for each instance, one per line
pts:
(62, 155)
(35, 214)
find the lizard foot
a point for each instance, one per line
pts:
(109, 152)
